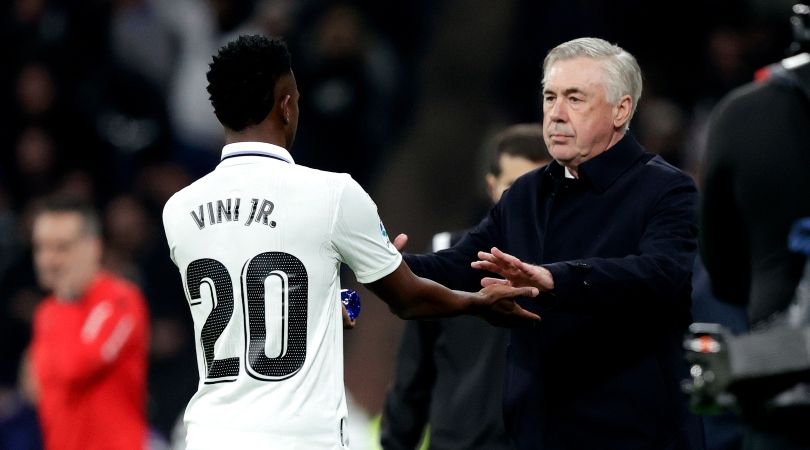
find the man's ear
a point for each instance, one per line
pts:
(622, 111)
(285, 108)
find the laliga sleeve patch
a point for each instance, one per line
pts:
(384, 234)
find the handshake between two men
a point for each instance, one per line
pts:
(498, 295)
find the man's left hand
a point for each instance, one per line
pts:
(514, 271)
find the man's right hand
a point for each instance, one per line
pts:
(496, 304)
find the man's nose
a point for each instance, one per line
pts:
(47, 258)
(557, 111)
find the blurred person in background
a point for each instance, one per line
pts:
(750, 201)
(755, 187)
(129, 236)
(351, 77)
(607, 233)
(450, 371)
(90, 336)
(199, 28)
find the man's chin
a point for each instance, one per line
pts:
(562, 152)
(563, 158)
(53, 285)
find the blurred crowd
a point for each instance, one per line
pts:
(105, 100)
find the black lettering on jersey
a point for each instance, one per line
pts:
(252, 211)
(227, 208)
(199, 219)
(261, 213)
(264, 213)
(222, 209)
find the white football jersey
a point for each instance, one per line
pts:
(259, 242)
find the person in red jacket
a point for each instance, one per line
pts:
(89, 345)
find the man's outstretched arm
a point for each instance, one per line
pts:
(412, 297)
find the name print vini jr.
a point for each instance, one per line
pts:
(228, 210)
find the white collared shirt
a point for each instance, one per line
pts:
(263, 239)
(568, 173)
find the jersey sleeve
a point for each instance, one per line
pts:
(360, 238)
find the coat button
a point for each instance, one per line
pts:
(581, 266)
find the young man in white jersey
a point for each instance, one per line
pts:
(259, 242)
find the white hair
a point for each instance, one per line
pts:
(622, 73)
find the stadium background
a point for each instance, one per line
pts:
(105, 99)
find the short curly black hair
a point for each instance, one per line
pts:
(242, 78)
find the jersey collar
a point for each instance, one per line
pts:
(256, 149)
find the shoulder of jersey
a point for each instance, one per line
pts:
(323, 173)
(327, 178)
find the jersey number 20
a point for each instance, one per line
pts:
(285, 271)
